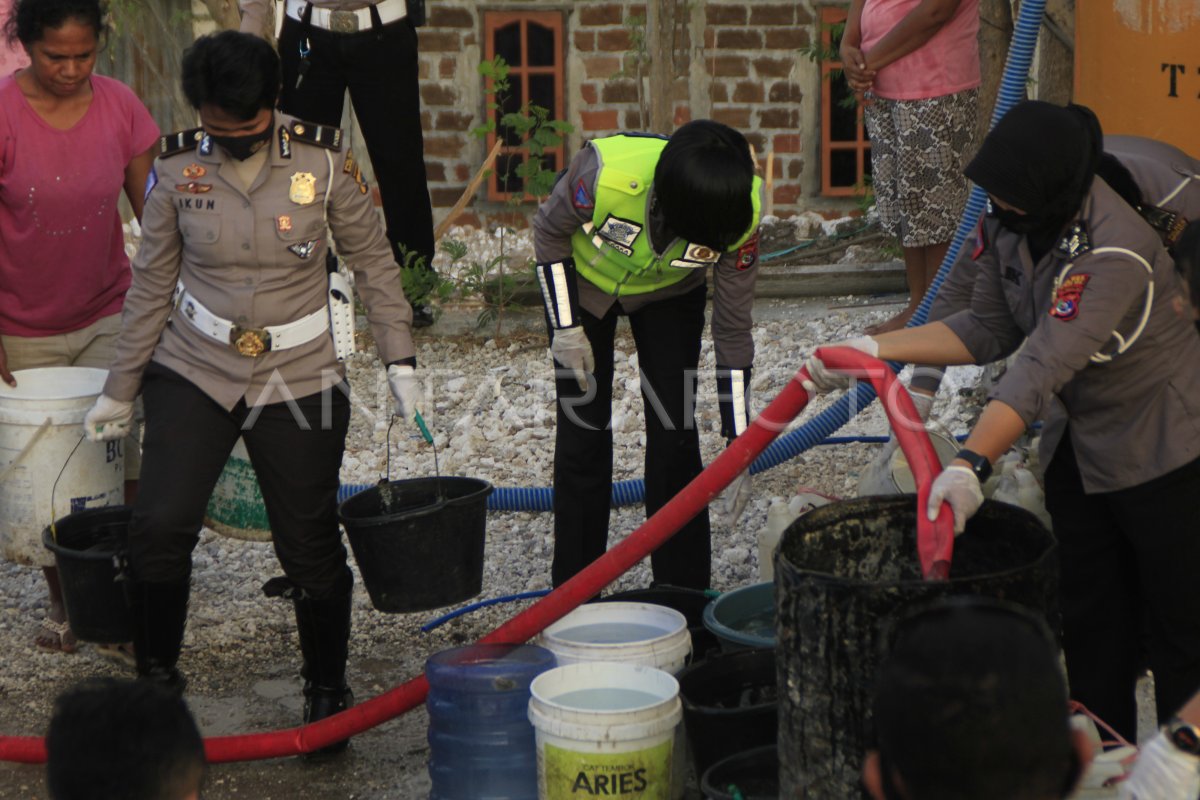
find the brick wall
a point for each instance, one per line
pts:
(735, 62)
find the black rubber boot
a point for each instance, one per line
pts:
(324, 628)
(159, 617)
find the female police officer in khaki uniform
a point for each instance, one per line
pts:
(237, 221)
(1069, 270)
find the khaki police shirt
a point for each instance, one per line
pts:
(255, 257)
(556, 221)
(1132, 419)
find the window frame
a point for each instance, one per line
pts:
(860, 145)
(555, 21)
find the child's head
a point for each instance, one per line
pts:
(132, 740)
(703, 182)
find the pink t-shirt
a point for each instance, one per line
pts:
(62, 254)
(947, 63)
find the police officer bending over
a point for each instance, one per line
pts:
(229, 330)
(633, 228)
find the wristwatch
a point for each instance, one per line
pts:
(979, 464)
(1184, 735)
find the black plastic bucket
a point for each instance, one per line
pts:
(689, 602)
(729, 705)
(750, 775)
(844, 573)
(419, 543)
(89, 551)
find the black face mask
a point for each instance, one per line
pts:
(1017, 223)
(242, 147)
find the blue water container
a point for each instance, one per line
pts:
(481, 743)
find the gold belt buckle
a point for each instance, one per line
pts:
(343, 22)
(251, 342)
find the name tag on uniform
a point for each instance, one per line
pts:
(697, 256)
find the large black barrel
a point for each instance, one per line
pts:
(844, 573)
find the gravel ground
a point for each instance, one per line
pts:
(491, 407)
(489, 403)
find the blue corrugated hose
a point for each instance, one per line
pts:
(817, 430)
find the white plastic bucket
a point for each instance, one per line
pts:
(633, 633)
(32, 458)
(606, 730)
(236, 508)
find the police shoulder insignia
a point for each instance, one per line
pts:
(325, 136)
(582, 199)
(179, 141)
(1075, 243)
(1068, 295)
(349, 164)
(747, 254)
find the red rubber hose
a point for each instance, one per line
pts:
(935, 540)
(582, 587)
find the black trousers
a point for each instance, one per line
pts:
(379, 67)
(667, 335)
(296, 450)
(1129, 565)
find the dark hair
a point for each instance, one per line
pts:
(236, 72)
(972, 705)
(703, 181)
(29, 19)
(115, 739)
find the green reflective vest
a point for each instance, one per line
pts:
(613, 251)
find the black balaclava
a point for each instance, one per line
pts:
(1040, 158)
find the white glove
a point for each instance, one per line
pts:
(958, 486)
(822, 379)
(108, 419)
(402, 380)
(571, 349)
(1162, 772)
(732, 501)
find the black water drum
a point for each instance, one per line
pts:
(844, 573)
(89, 551)
(748, 775)
(419, 543)
(729, 704)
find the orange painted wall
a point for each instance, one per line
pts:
(1137, 64)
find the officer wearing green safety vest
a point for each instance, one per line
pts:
(608, 252)
(634, 227)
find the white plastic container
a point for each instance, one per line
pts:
(87, 474)
(607, 730)
(632, 633)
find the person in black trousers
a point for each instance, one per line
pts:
(370, 48)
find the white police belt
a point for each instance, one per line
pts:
(348, 21)
(248, 341)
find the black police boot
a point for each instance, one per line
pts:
(324, 628)
(159, 617)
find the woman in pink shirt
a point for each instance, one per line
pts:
(915, 63)
(70, 142)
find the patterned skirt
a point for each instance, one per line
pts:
(918, 151)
